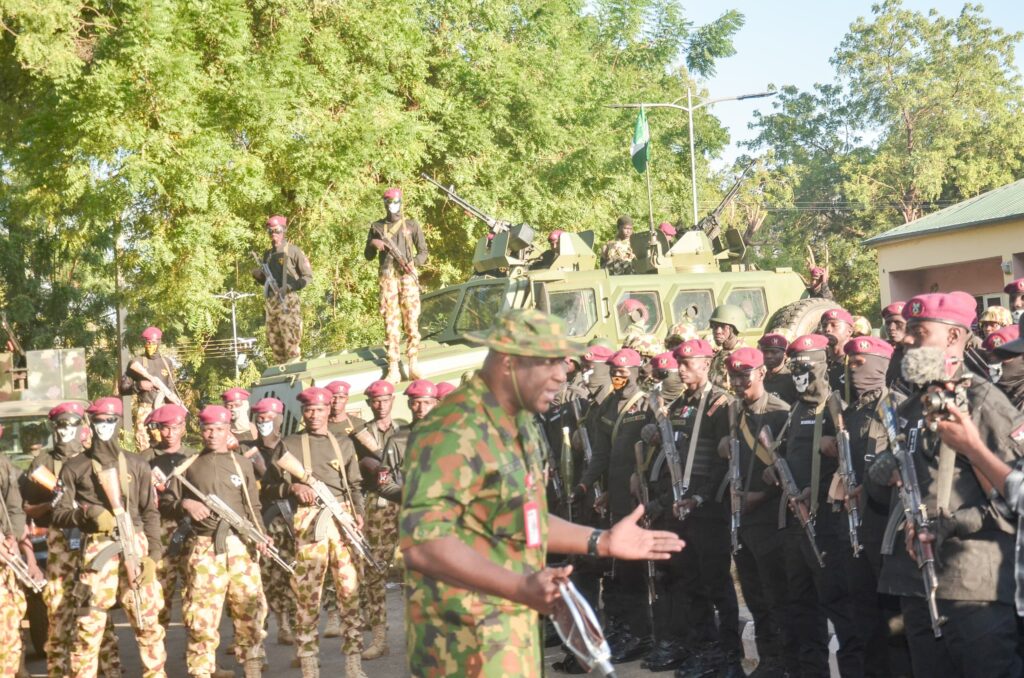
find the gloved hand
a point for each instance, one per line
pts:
(102, 519)
(653, 509)
(148, 575)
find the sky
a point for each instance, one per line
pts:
(789, 42)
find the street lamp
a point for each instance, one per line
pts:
(233, 297)
(690, 108)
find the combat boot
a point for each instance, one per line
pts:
(253, 668)
(379, 646)
(353, 667)
(394, 374)
(310, 667)
(284, 629)
(218, 672)
(414, 368)
(333, 628)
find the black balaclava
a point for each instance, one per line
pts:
(600, 376)
(70, 426)
(1011, 381)
(630, 387)
(869, 377)
(672, 385)
(105, 451)
(812, 367)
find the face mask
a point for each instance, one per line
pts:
(105, 430)
(265, 428)
(870, 376)
(618, 383)
(149, 350)
(67, 434)
(1016, 314)
(995, 372)
(801, 381)
(394, 207)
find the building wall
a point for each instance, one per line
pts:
(969, 259)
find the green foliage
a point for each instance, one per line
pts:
(170, 131)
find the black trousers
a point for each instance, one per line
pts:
(761, 567)
(707, 537)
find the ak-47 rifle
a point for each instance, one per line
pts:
(268, 277)
(668, 448)
(391, 248)
(846, 472)
(125, 535)
(165, 392)
(565, 468)
(735, 480)
(645, 498)
(792, 492)
(47, 479)
(14, 561)
(288, 463)
(11, 336)
(588, 450)
(915, 512)
(493, 225)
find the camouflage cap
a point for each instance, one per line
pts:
(528, 332)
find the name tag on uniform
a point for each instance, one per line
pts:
(531, 518)
(807, 422)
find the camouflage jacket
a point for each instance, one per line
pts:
(617, 256)
(470, 471)
(718, 373)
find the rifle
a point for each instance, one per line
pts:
(493, 225)
(846, 472)
(125, 536)
(11, 336)
(269, 281)
(645, 497)
(577, 626)
(668, 448)
(915, 512)
(792, 492)
(391, 248)
(46, 478)
(565, 469)
(325, 498)
(165, 392)
(588, 450)
(20, 570)
(735, 480)
(242, 527)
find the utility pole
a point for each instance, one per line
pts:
(234, 297)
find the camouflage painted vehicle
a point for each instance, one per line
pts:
(680, 281)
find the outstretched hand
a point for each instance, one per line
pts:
(629, 541)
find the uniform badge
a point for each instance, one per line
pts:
(235, 479)
(334, 464)
(1018, 434)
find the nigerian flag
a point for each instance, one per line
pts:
(640, 149)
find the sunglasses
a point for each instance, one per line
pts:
(275, 231)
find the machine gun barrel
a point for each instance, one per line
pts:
(493, 224)
(709, 224)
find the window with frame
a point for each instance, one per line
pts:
(753, 303)
(694, 307)
(651, 302)
(578, 308)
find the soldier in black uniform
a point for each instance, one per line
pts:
(778, 380)
(341, 423)
(666, 372)
(973, 543)
(815, 592)
(837, 325)
(895, 326)
(759, 560)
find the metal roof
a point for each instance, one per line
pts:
(1000, 204)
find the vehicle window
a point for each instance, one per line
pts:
(753, 303)
(479, 307)
(436, 311)
(23, 439)
(651, 305)
(578, 308)
(694, 307)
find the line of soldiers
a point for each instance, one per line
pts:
(821, 471)
(255, 520)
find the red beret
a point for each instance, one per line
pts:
(444, 388)
(868, 346)
(277, 221)
(234, 395)
(778, 341)
(152, 334)
(955, 308)
(214, 414)
(895, 308)
(1003, 335)
(665, 361)
(72, 408)
(624, 357)
(630, 305)
(667, 228)
(555, 235)
(837, 314)
(598, 353)
(744, 359)
(421, 388)
(694, 348)
(807, 343)
(109, 405)
(314, 395)
(338, 387)
(817, 271)
(379, 388)
(169, 414)
(265, 405)
(1015, 287)
(393, 193)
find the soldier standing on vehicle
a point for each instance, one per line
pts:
(340, 421)
(62, 546)
(289, 271)
(397, 242)
(818, 287)
(146, 393)
(778, 380)
(475, 556)
(727, 322)
(320, 546)
(220, 564)
(617, 256)
(102, 578)
(837, 326)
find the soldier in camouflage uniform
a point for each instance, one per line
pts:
(617, 256)
(389, 239)
(474, 528)
(320, 547)
(101, 579)
(220, 564)
(147, 395)
(728, 321)
(290, 271)
(61, 545)
(12, 596)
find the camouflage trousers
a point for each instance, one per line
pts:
(284, 326)
(233, 575)
(400, 304)
(142, 410)
(314, 558)
(171, 570)
(382, 533)
(276, 582)
(12, 610)
(61, 571)
(96, 592)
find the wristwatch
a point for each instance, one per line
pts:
(595, 537)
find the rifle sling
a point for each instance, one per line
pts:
(819, 416)
(694, 435)
(307, 463)
(122, 478)
(633, 400)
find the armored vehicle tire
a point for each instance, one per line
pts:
(801, 317)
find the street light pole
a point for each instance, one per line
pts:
(690, 108)
(234, 297)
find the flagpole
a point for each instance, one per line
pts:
(647, 171)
